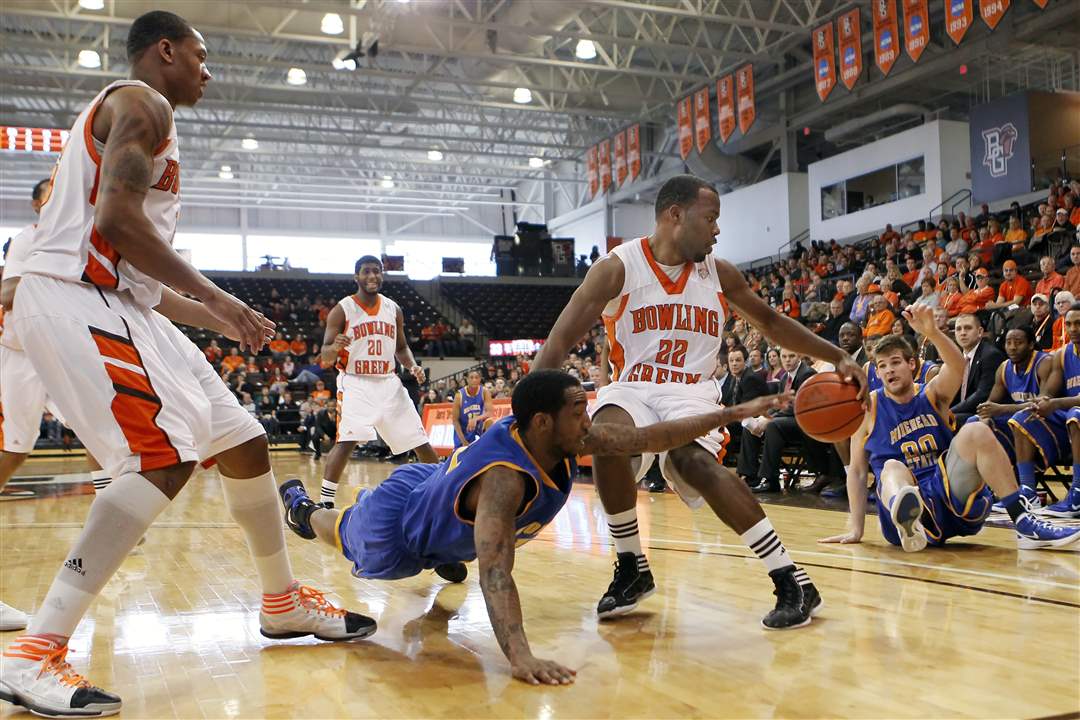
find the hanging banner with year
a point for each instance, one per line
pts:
(886, 35)
(991, 11)
(620, 159)
(633, 150)
(702, 119)
(916, 28)
(605, 165)
(591, 170)
(958, 16)
(686, 126)
(744, 78)
(1041, 3)
(725, 107)
(850, 34)
(824, 61)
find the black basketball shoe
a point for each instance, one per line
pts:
(452, 572)
(791, 609)
(298, 508)
(629, 587)
(811, 600)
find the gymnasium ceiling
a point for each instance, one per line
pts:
(444, 79)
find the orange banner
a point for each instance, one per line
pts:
(702, 119)
(605, 165)
(886, 35)
(849, 31)
(992, 11)
(591, 170)
(824, 61)
(633, 150)
(744, 79)
(958, 16)
(1041, 3)
(686, 127)
(916, 28)
(725, 107)
(620, 158)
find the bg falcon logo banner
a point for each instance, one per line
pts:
(850, 34)
(916, 28)
(886, 35)
(725, 106)
(824, 61)
(958, 15)
(744, 78)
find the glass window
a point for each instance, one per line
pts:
(423, 258)
(871, 189)
(877, 187)
(211, 252)
(832, 201)
(314, 253)
(911, 178)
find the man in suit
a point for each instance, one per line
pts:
(850, 340)
(766, 437)
(837, 317)
(748, 385)
(982, 359)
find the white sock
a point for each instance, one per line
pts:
(100, 479)
(255, 506)
(329, 491)
(765, 543)
(624, 532)
(117, 519)
(801, 577)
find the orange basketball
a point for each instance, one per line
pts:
(826, 408)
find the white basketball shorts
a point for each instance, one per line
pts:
(370, 404)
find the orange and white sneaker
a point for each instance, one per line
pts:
(36, 675)
(11, 618)
(302, 610)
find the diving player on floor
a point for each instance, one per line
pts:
(931, 485)
(491, 495)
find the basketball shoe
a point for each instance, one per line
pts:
(1035, 534)
(452, 572)
(302, 611)
(629, 587)
(1068, 508)
(298, 508)
(1028, 497)
(793, 607)
(11, 619)
(36, 675)
(906, 512)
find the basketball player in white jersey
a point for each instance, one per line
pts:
(663, 299)
(126, 379)
(364, 335)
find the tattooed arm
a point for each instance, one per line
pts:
(500, 495)
(613, 439)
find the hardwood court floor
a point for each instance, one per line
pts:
(975, 630)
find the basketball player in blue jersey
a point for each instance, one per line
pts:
(1052, 426)
(927, 372)
(472, 405)
(489, 497)
(931, 486)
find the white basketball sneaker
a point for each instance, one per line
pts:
(36, 675)
(906, 512)
(11, 619)
(303, 610)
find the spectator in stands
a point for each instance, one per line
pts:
(1062, 224)
(310, 373)
(984, 215)
(976, 298)
(927, 351)
(1042, 321)
(982, 358)
(830, 330)
(895, 283)
(213, 353)
(889, 235)
(984, 246)
(956, 245)
(1016, 239)
(790, 304)
(861, 306)
(299, 345)
(233, 361)
(277, 382)
(923, 234)
(321, 392)
(287, 413)
(431, 397)
(928, 296)
(757, 362)
(50, 429)
(279, 347)
(288, 367)
(322, 424)
(1072, 275)
(1073, 209)
(879, 321)
(1063, 301)
(248, 404)
(913, 271)
(1051, 279)
(774, 369)
(468, 336)
(950, 299)
(266, 402)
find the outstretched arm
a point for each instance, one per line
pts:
(613, 439)
(943, 388)
(500, 495)
(403, 352)
(602, 283)
(190, 312)
(858, 469)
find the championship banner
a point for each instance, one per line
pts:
(686, 129)
(702, 119)
(633, 150)
(591, 170)
(25, 139)
(620, 158)
(824, 61)
(850, 32)
(991, 11)
(725, 107)
(605, 165)
(886, 35)
(958, 16)
(917, 28)
(1041, 3)
(744, 77)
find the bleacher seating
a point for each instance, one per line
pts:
(508, 311)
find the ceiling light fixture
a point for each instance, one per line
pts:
(225, 173)
(535, 162)
(522, 96)
(92, 4)
(434, 155)
(331, 24)
(249, 143)
(89, 59)
(387, 183)
(296, 76)
(585, 50)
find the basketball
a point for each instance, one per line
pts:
(827, 408)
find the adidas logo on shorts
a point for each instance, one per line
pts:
(76, 565)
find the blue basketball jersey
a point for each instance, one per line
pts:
(435, 527)
(1023, 385)
(873, 382)
(912, 432)
(471, 406)
(1071, 367)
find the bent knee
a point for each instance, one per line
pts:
(978, 433)
(893, 466)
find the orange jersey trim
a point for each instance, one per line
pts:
(670, 287)
(617, 356)
(369, 310)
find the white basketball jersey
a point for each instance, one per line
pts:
(374, 337)
(663, 329)
(67, 245)
(13, 268)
